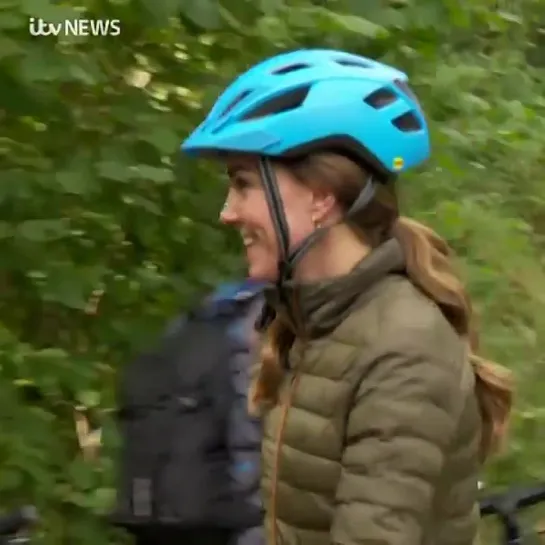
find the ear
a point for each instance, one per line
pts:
(323, 206)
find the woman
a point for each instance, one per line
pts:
(377, 414)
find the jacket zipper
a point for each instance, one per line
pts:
(283, 419)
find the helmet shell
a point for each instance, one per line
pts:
(297, 102)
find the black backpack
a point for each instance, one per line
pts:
(174, 404)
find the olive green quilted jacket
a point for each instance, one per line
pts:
(375, 438)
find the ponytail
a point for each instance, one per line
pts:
(429, 267)
(265, 386)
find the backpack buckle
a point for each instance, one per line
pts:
(141, 497)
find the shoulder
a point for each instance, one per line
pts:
(398, 313)
(400, 325)
(238, 303)
(236, 291)
(406, 315)
(235, 298)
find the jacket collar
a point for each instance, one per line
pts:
(316, 309)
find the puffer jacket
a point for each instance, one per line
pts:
(375, 438)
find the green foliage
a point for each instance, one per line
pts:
(105, 232)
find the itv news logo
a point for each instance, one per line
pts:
(75, 27)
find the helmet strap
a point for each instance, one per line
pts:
(278, 217)
(288, 260)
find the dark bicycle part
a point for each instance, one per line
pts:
(514, 499)
(506, 505)
(18, 520)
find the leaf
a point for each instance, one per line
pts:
(10, 20)
(6, 230)
(54, 354)
(162, 138)
(114, 171)
(41, 65)
(161, 10)
(23, 382)
(204, 13)
(6, 336)
(154, 174)
(8, 47)
(45, 9)
(144, 203)
(269, 7)
(76, 181)
(511, 17)
(231, 20)
(358, 25)
(68, 291)
(102, 499)
(43, 230)
(89, 398)
(83, 74)
(70, 284)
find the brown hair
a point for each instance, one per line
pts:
(429, 267)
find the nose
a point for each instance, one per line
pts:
(228, 214)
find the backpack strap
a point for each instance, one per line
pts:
(229, 307)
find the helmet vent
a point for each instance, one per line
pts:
(381, 98)
(354, 63)
(236, 101)
(290, 68)
(407, 122)
(277, 105)
(405, 89)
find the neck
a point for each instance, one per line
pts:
(336, 254)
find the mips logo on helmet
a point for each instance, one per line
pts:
(398, 163)
(75, 27)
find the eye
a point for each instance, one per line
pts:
(241, 183)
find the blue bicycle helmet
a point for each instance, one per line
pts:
(294, 102)
(297, 102)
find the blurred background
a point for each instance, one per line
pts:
(105, 232)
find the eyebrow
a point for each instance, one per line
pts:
(232, 171)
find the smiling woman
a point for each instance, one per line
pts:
(378, 416)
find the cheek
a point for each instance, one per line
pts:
(300, 225)
(255, 215)
(297, 202)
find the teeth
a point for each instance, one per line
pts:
(248, 239)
